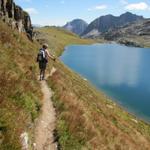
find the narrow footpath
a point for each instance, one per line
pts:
(44, 138)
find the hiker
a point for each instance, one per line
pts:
(42, 58)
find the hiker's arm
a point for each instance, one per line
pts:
(49, 55)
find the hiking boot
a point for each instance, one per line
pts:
(41, 78)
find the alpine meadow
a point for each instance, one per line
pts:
(65, 110)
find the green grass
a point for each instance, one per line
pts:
(19, 90)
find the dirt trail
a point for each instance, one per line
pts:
(44, 139)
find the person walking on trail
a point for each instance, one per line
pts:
(42, 58)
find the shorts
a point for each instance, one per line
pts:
(42, 65)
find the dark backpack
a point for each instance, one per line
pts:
(41, 55)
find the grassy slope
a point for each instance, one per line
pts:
(87, 119)
(19, 89)
(58, 38)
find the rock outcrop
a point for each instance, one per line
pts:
(16, 17)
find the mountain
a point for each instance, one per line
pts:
(77, 26)
(104, 23)
(136, 34)
(86, 118)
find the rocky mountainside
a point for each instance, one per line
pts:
(104, 23)
(77, 26)
(136, 34)
(16, 17)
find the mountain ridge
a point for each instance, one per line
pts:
(104, 23)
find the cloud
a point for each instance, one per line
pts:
(25, 0)
(98, 7)
(124, 2)
(137, 6)
(31, 11)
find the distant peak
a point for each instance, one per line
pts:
(129, 14)
(77, 26)
(78, 20)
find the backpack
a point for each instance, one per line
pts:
(41, 55)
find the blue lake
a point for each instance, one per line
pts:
(121, 72)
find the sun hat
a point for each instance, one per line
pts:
(45, 45)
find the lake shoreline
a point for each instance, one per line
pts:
(130, 111)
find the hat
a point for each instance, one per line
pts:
(45, 45)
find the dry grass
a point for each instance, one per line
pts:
(19, 90)
(87, 119)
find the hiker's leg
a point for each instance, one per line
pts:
(44, 68)
(40, 67)
(43, 74)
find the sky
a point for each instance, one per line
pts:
(58, 12)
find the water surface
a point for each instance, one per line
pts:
(121, 72)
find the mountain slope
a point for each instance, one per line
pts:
(19, 89)
(104, 23)
(77, 26)
(20, 92)
(87, 119)
(136, 34)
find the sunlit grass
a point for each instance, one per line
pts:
(58, 38)
(19, 90)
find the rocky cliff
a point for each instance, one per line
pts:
(15, 17)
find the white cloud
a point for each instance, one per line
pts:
(137, 6)
(31, 11)
(98, 7)
(124, 2)
(25, 0)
